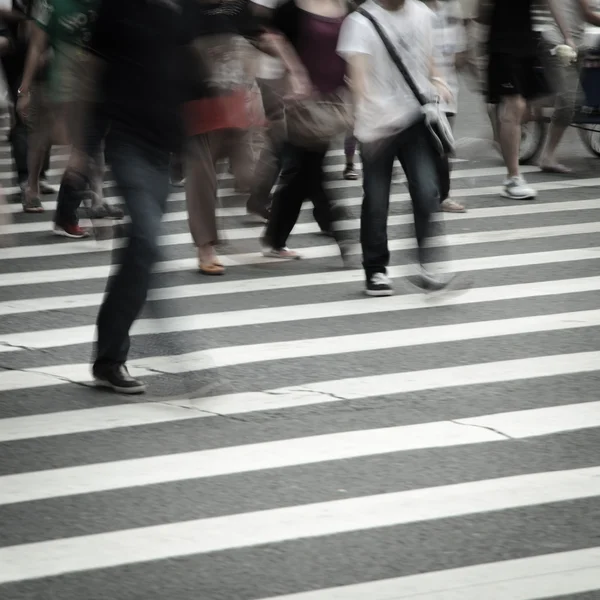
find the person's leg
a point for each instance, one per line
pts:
(566, 82)
(269, 161)
(450, 205)
(177, 174)
(419, 161)
(326, 211)
(201, 190)
(511, 114)
(238, 147)
(378, 163)
(82, 179)
(417, 156)
(350, 173)
(287, 203)
(39, 142)
(508, 87)
(19, 130)
(142, 177)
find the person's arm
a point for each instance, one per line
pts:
(272, 40)
(12, 16)
(590, 16)
(435, 76)
(558, 16)
(277, 46)
(38, 43)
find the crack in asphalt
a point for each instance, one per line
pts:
(35, 372)
(305, 390)
(486, 427)
(19, 347)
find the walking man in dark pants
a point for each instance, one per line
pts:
(137, 42)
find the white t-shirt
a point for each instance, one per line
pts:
(388, 105)
(269, 67)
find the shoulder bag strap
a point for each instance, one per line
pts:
(394, 56)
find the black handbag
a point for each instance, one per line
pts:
(436, 122)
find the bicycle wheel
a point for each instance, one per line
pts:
(591, 138)
(533, 135)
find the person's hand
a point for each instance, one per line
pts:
(299, 85)
(442, 90)
(23, 103)
(569, 42)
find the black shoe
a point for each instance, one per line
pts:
(116, 377)
(379, 284)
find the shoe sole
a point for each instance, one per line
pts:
(99, 383)
(511, 197)
(62, 233)
(278, 257)
(379, 293)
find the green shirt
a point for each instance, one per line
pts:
(69, 25)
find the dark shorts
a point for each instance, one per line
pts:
(510, 75)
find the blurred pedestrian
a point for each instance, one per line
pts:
(137, 44)
(515, 77)
(312, 27)
(564, 75)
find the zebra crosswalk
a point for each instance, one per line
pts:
(301, 441)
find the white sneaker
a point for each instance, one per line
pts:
(516, 188)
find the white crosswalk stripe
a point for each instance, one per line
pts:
(301, 442)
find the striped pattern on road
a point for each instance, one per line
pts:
(301, 442)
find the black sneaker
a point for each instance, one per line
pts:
(379, 284)
(117, 378)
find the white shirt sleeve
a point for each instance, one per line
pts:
(356, 36)
(271, 4)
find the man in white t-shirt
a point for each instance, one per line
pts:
(389, 125)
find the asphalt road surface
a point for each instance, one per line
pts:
(300, 441)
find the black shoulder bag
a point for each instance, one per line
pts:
(436, 122)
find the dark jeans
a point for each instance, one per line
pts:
(19, 133)
(141, 173)
(304, 182)
(74, 184)
(417, 157)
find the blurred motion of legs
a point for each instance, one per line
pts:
(142, 175)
